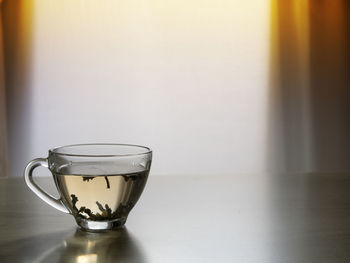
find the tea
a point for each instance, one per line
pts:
(101, 197)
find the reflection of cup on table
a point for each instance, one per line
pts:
(75, 246)
(116, 246)
(98, 183)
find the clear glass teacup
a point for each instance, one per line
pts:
(98, 183)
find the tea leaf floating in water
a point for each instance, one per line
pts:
(100, 206)
(74, 200)
(101, 197)
(86, 178)
(106, 212)
(109, 210)
(107, 181)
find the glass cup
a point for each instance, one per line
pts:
(98, 183)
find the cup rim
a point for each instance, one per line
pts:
(55, 150)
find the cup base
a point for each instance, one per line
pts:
(98, 226)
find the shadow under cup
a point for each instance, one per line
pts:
(98, 183)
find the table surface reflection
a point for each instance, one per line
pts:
(238, 218)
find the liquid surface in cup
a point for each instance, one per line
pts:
(101, 197)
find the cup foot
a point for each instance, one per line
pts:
(98, 226)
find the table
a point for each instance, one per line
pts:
(236, 218)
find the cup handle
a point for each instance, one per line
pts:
(28, 177)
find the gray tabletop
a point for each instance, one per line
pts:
(238, 218)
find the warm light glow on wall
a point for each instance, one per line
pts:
(309, 84)
(235, 83)
(169, 74)
(289, 85)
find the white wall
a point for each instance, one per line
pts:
(187, 78)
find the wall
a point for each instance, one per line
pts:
(309, 101)
(3, 122)
(187, 78)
